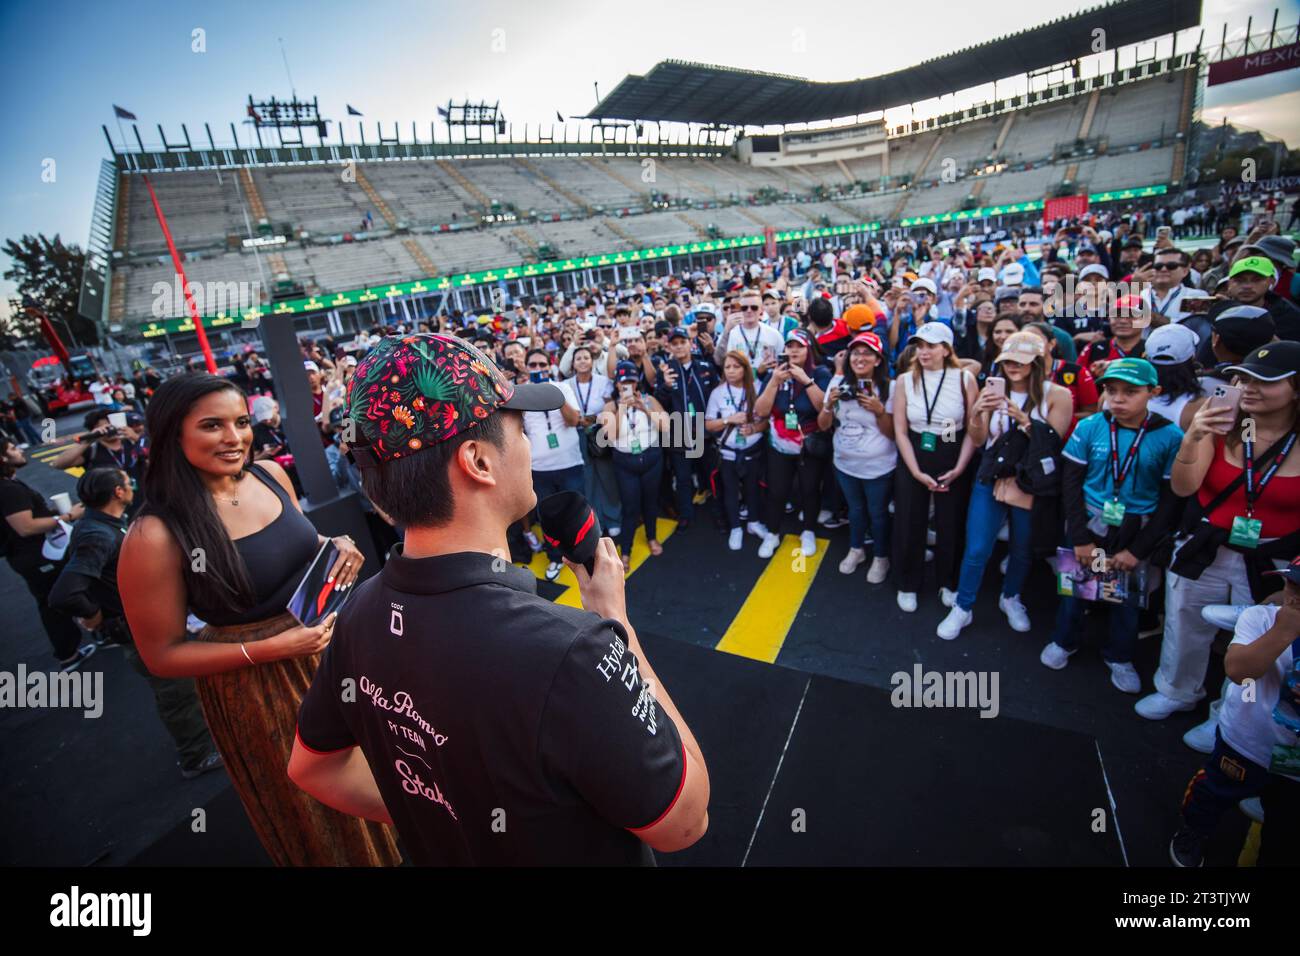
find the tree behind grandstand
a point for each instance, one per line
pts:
(50, 273)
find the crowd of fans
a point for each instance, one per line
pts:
(1122, 411)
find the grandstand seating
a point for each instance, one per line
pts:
(583, 202)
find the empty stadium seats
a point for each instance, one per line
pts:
(581, 204)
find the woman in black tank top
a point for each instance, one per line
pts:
(228, 541)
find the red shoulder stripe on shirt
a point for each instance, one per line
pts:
(681, 785)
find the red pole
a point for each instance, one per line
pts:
(185, 285)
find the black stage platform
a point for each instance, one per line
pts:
(808, 760)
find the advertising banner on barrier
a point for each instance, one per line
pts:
(1255, 64)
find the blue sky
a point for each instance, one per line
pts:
(64, 64)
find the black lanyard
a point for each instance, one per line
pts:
(577, 387)
(1120, 473)
(938, 394)
(1254, 491)
(758, 338)
(687, 376)
(125, 461)
(1172, 297)
(732, 402)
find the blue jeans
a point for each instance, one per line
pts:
(983, 521)
(546, 483)
(868, 501)
(1123, 628)
(28, 431)
(638, 490)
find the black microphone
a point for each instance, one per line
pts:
(569, 523)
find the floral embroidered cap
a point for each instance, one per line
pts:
(413, 391)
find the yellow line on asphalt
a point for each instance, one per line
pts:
(759, 630)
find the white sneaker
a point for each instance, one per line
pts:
(1054, 656)
(907, 601)
(533, 543)
(1016, 614)
(1223, 615)
(824, 516)
(553, 570)
(834, 521)
(769, 545)
(737, 539)
(878, 571)
(1003, 566)
(1201, 737)
(952, 624)
(1253, 807)
(614, 531)
(758, 528)
(1157, 706)
(948, 597)
(851, 561)
(808, 544)
(1125, 677)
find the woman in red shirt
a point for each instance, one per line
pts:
(1242, 472)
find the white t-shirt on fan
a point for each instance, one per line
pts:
(554, 443)
(862, 450)
(1248, 725)
(757, 343)
(725, 401)
(590, 396)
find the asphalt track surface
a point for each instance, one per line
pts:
(782, 668)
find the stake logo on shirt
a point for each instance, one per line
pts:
(403, 705)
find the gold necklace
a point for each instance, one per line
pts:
(234, 501)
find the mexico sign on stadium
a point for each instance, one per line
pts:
(1255, 64)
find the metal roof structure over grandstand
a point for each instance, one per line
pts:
(677, 91)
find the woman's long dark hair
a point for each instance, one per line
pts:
(1178, 379)
(993, 350)
(176, 495)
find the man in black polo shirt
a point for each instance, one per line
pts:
(488, 725)
(87, 590)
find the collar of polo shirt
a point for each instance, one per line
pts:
(450, 572)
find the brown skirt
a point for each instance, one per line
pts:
(253, 715)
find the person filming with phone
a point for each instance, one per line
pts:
(1239, 468)
(493, 726)
(104, 445)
